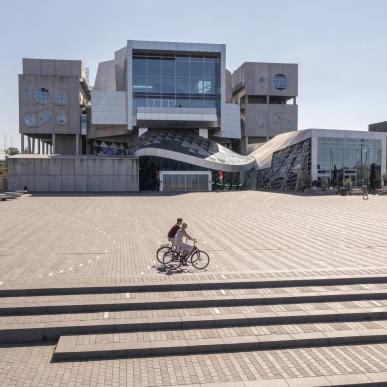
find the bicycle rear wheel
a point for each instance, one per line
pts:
(171, 260)
(200, 260)
(161, 251)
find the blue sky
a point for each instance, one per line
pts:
(340, 45)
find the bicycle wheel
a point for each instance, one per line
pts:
(171, 260)
(200, 260)
(161, 251)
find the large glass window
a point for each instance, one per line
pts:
(344, 158)
(176, 80)
(139, 66)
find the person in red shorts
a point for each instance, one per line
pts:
(174, 229)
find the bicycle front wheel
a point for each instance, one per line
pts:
(200, 260)
(171, 260)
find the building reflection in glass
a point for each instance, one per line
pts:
(340, 159)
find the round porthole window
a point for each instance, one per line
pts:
(261, 81)
(61, 118)
(30, 119)
(280, 81)
(277, 117)
(261, 122)
(41, 95)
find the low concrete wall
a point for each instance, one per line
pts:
(73, 173)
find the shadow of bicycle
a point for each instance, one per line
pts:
(164, 269)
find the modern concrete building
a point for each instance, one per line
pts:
(322, 157)
(378, 127)
(266, 94)
(54, 99)
(173, 106)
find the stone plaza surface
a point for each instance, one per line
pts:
(86, 240)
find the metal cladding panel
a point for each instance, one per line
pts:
(231, 122)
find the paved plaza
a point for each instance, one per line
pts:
(106, 241)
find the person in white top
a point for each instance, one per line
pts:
(185, 248)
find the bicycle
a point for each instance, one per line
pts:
(365, 192)
(162, 250)
(198, 258)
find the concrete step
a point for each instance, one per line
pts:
(258, 292)
(200, 285)
(72, 348)
(48, 330)
(178, 302)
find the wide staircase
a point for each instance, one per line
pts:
(199, 317)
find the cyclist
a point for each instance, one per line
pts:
(185, 248)
(174, 229)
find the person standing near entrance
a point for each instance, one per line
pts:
(221, 178)
(157, 179)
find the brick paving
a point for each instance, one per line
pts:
(31, 366)
(81, 240)
(106, 239)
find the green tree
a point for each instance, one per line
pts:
(11, 151)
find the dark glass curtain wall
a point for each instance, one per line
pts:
(176, 81)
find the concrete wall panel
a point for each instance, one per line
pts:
(132, 183)
(106, 167)
(94, 183)
(80, 167)
(68, 167)
(41, 167)
(80, 183)
(92, 167)
(15, 183)
(68, 183)
(54, 167)
(54, 183)
(120, 167)
(74, 174)
(119, 183)
(107, 183)
(41, 183)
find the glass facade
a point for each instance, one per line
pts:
(340, 159)
(176, 81)
(290, 169)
